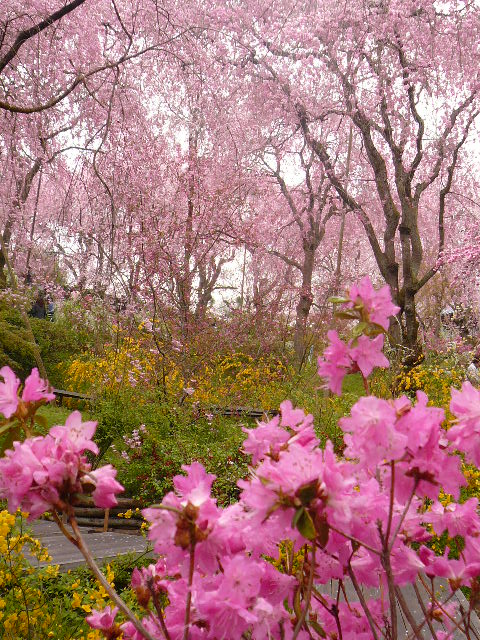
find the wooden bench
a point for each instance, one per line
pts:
(62, 393)
(246, 412)
(98, 519)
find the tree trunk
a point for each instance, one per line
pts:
(304, 304)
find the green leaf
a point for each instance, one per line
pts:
(306, 527)
(359, 329)
(296, 517)
(346, 315)
(307, 492)
(338, 300)
(6, 427)
(318, 628)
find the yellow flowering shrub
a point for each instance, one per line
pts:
(127, 362)
(37, 602)
(241, 380)
(435, 377)
(23, 610)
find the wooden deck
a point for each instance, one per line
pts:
(104, 546)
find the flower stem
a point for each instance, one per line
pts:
(80, 544)
(307, 598)
(188, 603)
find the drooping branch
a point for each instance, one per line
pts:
(25, 35)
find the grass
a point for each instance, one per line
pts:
(55, 414)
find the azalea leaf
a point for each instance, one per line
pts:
(359, 329)
(307, 492)
(345, 315)
(296, 517)
(338, 300)
(6, 427)
(316, 626)
(305, 526)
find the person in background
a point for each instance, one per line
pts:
(39, 307)
(473, 374)
(50, 309)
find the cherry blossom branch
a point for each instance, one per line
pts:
(25, 35)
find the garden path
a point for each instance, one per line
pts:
(104, 545)
(404, 628)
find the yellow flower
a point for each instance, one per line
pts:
(76, 600)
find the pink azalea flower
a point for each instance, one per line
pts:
(268, 437)
(36, 389)
(335, 364)
(368, 354)
(374, 437)
(465, 435)
(41, 473)
(8, 392)
(458, 519)
(196, 486)
(378, 304)
(105, 486)
(79, 434)
(103, 620)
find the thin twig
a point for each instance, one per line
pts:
(363, 602)
(307, 598)
(158, 608)
(188, 603)
(80, 544)
(404, 514)
(408, 614)
(424, 611)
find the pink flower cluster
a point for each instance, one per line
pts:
(47, 472)
(361, 353)
(34, 390)
(341, 358)
(376, 305)
(367, 516)
(347, 515)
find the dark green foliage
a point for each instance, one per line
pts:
(171, 437)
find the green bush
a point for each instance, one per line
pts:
(168, 437)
